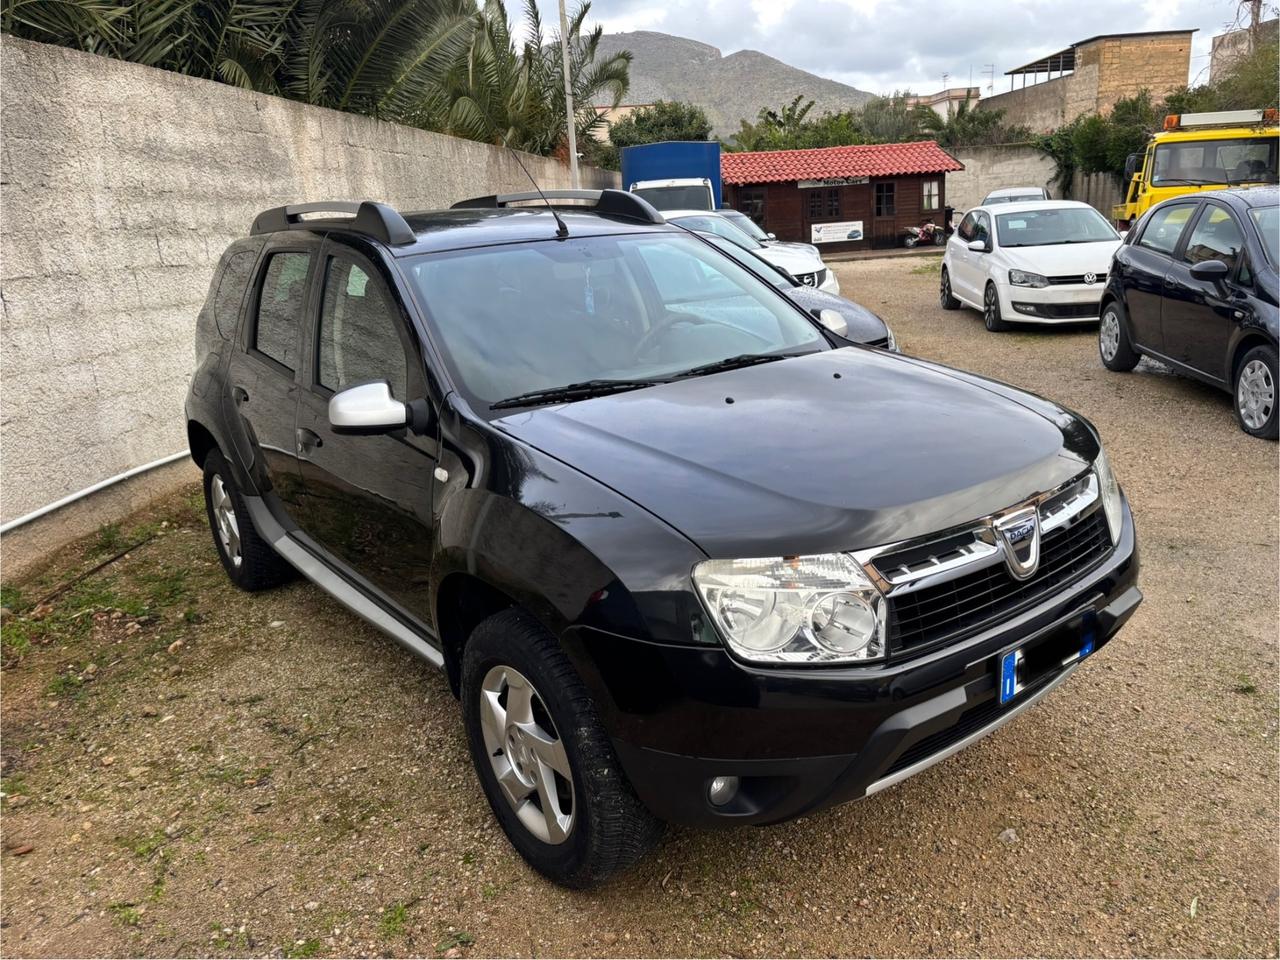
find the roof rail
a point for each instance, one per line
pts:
(614, 203)
(367, 217)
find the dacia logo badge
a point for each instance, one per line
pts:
(1019, 534)
(1090, 278)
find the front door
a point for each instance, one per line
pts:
(1199, 315)
(367, 499)
(1145, 267)
(264, 371)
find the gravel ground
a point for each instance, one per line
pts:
(193, 771)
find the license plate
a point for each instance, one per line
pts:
(1059, 646)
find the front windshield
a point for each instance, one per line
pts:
(694, 196)
(745, 224)
(711, 223)
(521, 317)
(1267, 220)
(771, 272)
(1053, 225)
(1247, 160)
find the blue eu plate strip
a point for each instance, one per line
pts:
(1008, 676)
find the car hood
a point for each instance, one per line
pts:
(836, 450)
(806, 249)
(1063, 259)
(864, 326)
(794, 262)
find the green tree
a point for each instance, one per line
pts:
(967, 127)
(663, 120)
(792, 129)
(893, 119)
(502, 94)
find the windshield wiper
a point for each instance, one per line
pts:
(1165, 181)
(732, 363)
(571, 391)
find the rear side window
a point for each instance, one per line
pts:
(231, 286)
(1165, 227)
(284, 286)
(1216, 236)
(358, 339)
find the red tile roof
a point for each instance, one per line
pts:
(865, 160)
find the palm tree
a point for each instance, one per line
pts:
(504, 95)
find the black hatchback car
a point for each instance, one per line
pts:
(1195, 286)
(681, 555)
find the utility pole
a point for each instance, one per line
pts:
(570, 116)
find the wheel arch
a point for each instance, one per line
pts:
(1247, 341)
(463, 602)
(200, 441)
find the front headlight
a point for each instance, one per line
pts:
(1111, 505)
(1021, 278)
(816, 609)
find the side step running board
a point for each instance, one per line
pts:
(332, 584)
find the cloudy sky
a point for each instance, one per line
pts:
(879, 45)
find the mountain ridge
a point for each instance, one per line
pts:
(729, 88)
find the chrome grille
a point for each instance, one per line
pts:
(815, 279)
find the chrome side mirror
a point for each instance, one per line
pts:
(833, 321)
(367, 408)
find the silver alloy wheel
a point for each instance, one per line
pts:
(1109, 335)
(1255, 394)
(527, 754)
(945, 293)
(224, 519)
(990, 305)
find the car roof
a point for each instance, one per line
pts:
(437, 230)
(1012, 191)
(673, 214)
(1248, 196)
(1003, 208)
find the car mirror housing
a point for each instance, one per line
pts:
(833, 321)
(977, 246)
(1215, 271)
(772, 236)
(367, 408)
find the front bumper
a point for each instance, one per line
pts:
(830, 284)
(800, 740)
(1057, 303)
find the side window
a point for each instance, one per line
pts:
(929, 190)
(1165, 227)
(1244, 276)
(982, 228)
(966, 227)
(226, 302)
(1216, 236)
(359, 336)
(284, 288)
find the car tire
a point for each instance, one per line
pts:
(946, 299)
(249, 560)
(510, 658)
(1254, 393)
(1114, 346)
(991, 310)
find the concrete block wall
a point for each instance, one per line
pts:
(988, 168)
(120, 185)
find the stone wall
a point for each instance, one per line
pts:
(993, 168)
(120, 185)
(1107, 70)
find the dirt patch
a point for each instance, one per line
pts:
(198, 771)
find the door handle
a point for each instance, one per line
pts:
(240, 395)
(308, 439)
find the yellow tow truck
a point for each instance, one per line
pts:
(1200, 151)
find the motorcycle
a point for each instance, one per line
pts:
(927, 234)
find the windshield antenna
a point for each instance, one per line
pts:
(562, 231)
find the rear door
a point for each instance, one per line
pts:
(367, 499)
(1144, 267)
(264, 370)
(960, 257)
(1199, 316)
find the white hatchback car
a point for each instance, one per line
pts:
(806, 267)
(1036, 262)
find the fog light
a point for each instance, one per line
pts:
(722, 790)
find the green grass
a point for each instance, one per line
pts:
(11, 598)
(394, 920)
(65, 685)
(1245, 686)
(144, 846)
(126, 913)
(307, 948)
(929, 267)
(109, 539)
(459, 939)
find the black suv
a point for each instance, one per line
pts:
(1195, 285)
(682, 553)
